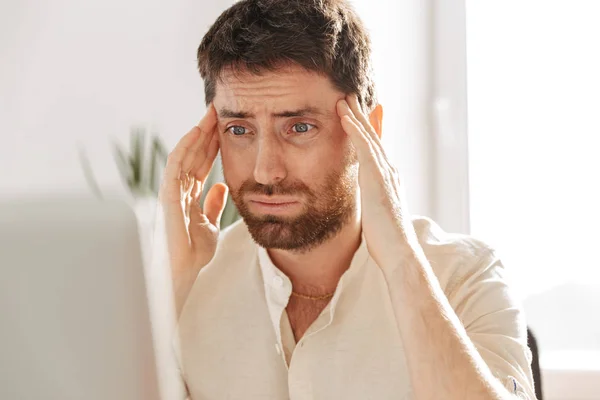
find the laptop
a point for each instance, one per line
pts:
(74, 314)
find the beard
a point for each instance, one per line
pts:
(327, 209)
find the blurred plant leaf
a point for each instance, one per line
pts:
(87, 172)
(141, 170)
(137, 155)
(158, 157)
(124, 166)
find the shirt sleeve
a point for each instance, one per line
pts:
(495, 323)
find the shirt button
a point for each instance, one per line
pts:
(277, 281)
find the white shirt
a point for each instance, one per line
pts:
(236, 341)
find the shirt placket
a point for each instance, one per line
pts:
(278, 291)
(299, 378)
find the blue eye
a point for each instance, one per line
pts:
(237, 130)
(302, 127)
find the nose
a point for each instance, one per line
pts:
(270, 167)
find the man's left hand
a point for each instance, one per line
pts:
(386, 224)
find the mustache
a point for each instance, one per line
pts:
(289, 188)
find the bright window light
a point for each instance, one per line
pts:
(534, 137)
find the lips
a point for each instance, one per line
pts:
(272, 205)
(272, 200)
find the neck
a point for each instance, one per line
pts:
(318, 271)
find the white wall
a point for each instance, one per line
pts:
(76, 72)
(402, 54)
(84, 71)
(533, 124)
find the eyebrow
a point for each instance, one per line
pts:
(227, 113)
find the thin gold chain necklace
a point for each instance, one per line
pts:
(307, 297)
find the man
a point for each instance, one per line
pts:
(327, 289)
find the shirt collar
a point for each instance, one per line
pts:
(278, 289)
(278, 286)
(360, 258)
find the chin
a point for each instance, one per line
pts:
(274, 234)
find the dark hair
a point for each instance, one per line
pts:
(324, 36)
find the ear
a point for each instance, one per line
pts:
(376, 119)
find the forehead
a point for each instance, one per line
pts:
(289, 87)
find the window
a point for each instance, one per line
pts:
(533, 73)
(533, 90)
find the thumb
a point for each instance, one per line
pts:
(215, 201)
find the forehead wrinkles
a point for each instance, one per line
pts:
(286, 80)
(286, 89)
(260, 88)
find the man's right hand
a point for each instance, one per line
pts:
(192, 232)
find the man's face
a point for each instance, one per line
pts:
(287, 161)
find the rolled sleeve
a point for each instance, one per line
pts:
(495, 323)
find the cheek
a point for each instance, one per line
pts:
(317, 163)
(346, 151)
(335, 149)
(238, 164)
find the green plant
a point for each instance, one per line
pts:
(140, 174)
(141, 170)
(139, 167)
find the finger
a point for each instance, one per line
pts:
(194, 208)
(362, 118)
(171, 185)
(364, 148)
(357, 110)
(375, 148)
(193, 199)
(204, 155)
(208, 122)
(203, 170)
(190, 156)
(345, 109)
(214, 204)
(197, 190)
(206, 126)
(356, 130)
(176, 217)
